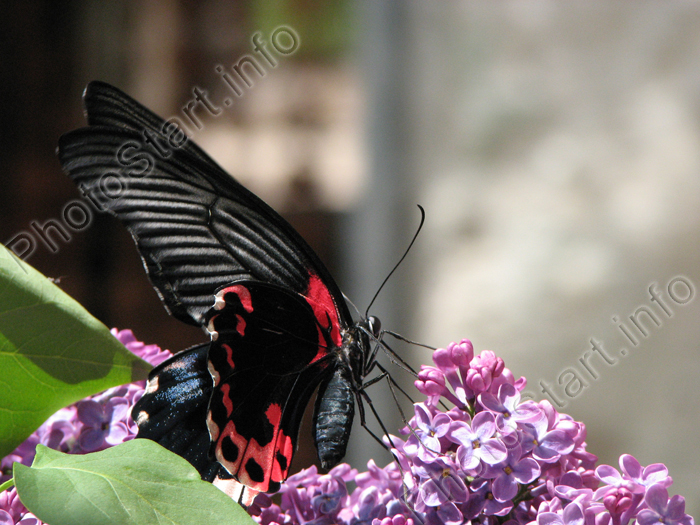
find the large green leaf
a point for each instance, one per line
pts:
(52, 352)
(138, 482)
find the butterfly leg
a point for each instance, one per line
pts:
(396, 358)
(392, 382)
(393, 356)
(362, 395)
(362, 398)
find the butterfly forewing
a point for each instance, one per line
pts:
(196, 227)
(105, 105)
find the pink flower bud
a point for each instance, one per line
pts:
(443, 359)
(462, 353)
(431, 381)
(478, 380)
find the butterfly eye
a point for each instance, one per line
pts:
(375, 325)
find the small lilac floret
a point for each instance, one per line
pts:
(103, 423)
(484, 370)
(662, 510)
(572, 515)
(571, 487)
(508, 408)
(544, 444)
(477, 442)
(440, 482)
(431, 381)
(509, 474)
(482, 501)
(656, 473)
(430, 430)
(454, 361)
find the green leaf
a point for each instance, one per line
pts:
(137, 482)
(52, 352)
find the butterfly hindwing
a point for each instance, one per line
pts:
(173, 411)
(173, 408)
(269, 354)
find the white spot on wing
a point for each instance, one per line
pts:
(219, 302)
(213, 334)
(151, 386)
(141, 418)
(214, 373)
(213, 428)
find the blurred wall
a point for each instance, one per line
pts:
(556, 149)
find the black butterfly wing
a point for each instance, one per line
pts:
(174, 407)
(106, 105)
(196, 227)
(199, 231)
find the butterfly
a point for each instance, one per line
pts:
(221, 258)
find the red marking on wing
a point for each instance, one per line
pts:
(274, 414)
(243, 294)
(265, 456)
(283, 445)
(228, 403)
(240, 325)
(238, 440)
(286, 448)
(229, 356)
(321, 302)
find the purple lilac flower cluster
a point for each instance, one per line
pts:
(490, 458)
(92, 424)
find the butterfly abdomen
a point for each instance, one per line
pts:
(335, 408)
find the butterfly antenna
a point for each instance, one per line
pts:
(347, 299)
(415, 236)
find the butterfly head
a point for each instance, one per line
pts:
(374, 326)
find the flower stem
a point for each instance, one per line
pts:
(7, 485)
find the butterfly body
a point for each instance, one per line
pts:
(335, 404)
(221, 258)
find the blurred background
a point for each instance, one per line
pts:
(554, 146)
